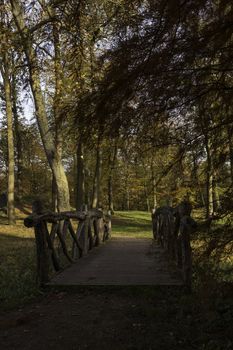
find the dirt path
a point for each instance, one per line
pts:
(115, 318)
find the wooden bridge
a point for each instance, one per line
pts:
(63, 238)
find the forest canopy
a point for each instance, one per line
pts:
(132, 103)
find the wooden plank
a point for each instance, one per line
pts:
(122, 262)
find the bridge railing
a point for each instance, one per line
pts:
(172, 228)
(63, 238)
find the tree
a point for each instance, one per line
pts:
(53, 155)
(6, 75)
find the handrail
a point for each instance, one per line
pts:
(65, 236)
(172, 228)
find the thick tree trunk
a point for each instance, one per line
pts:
(52, 154)
(96, 184)
(54, 195)
(10, 144)
(56, 109)
(80, 181)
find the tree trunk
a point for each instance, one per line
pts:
(196, 181)
(54, 195)
(88, 190)
(209, 179)
(127, 197)
(146, 193)
(110, 194)
(155, 203)
(56, 108)
(18, 139)
(52, 154)
(147, 200)
(216, 201)
(110, 176)
(10, 142)
(154, 190)
(96, 184)
(80, 181)
(230, 142)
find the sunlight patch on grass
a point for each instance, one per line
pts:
(140, 216)
(135, 224)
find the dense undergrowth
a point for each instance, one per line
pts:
(213, 250)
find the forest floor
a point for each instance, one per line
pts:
(108, 317)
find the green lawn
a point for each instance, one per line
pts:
(132, 224)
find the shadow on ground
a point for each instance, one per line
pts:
(120, 318)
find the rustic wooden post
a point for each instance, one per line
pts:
(173, 227)
(85, 236)
(96, 231)
(109, 228)
(161, 231)
(177, 246)
(187, 225)
(90, 235)
(166, 233)
(154, 223)
(100, 224)
(84, 208)
(41, 246)
(75, 251)
(109, 225)
(169, 240)
(53, 252)
(179, 252)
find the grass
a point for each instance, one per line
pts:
(17, 265)
(135, 224)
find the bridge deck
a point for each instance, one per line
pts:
(121, 261)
